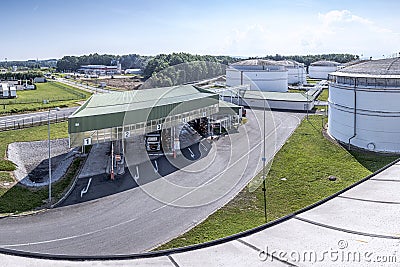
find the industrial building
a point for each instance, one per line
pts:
(321, 69)
(100, 69)
(364, 108)
(297, 73)
(8, 91)
(109, 117)
(242, 96)
(259, 74)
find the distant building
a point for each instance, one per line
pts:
(100, 69)
(133, 71)
(39, 80)
(8, 91)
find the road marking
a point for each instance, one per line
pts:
(191, 153)
(205, 148)
(136, 176)
(155, 166)
(70, 237)
(84, 190)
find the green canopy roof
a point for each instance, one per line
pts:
(103, 111)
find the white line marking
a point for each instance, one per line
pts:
(205, 148)
(136, 176)
(191, 153)
(70, 237)
(84, 190)
(155, 166)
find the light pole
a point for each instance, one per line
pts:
(264, 159)
(48, 133)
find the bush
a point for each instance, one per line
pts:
(6, 165)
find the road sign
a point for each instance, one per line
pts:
(159, 127)
(87, 141)
(127, 134)
(204, 114)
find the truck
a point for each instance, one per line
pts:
(153, 141)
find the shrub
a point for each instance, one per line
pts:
(6, 165)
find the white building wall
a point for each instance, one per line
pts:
(270, 81)
(273, 104)
(320, 72)
(377, 120)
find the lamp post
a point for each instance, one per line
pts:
(48, 133)
(264, 159)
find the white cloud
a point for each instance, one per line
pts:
(345, 32)
(336, 31)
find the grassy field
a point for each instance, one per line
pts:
(323, 96)
(19, 199)
(312, 81)
(305, 161)
(58, 130)
(32, 100)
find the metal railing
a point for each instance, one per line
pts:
(15, 124)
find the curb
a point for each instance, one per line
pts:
(192, 247)
(66, 195)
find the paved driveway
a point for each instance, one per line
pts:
(138, 219)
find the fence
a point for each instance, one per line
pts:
(14, 124)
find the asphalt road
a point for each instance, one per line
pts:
(140, 218)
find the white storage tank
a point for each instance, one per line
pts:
(321, 69)
(5, 92)
(13, 91)
(364, 109)
(264, 75)
(297, 73)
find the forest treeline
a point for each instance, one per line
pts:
(160, 64)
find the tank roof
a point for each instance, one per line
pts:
(325, 63)
(256, 62)
(289, 63)
(389, 66)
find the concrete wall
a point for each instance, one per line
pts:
(264, 80)
(320, 72)
(377, 117)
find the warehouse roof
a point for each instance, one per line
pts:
(228, 108)
(102, 111)
(325, 63)
(389, 66)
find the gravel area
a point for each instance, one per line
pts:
(32, 163)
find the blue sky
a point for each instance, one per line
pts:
(51, 29)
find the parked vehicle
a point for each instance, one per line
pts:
(153, 141)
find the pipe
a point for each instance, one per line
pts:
(355, 114)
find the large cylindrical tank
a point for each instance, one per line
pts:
(364, 109)
(297, 73)
(264, 75)
(321, 69)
